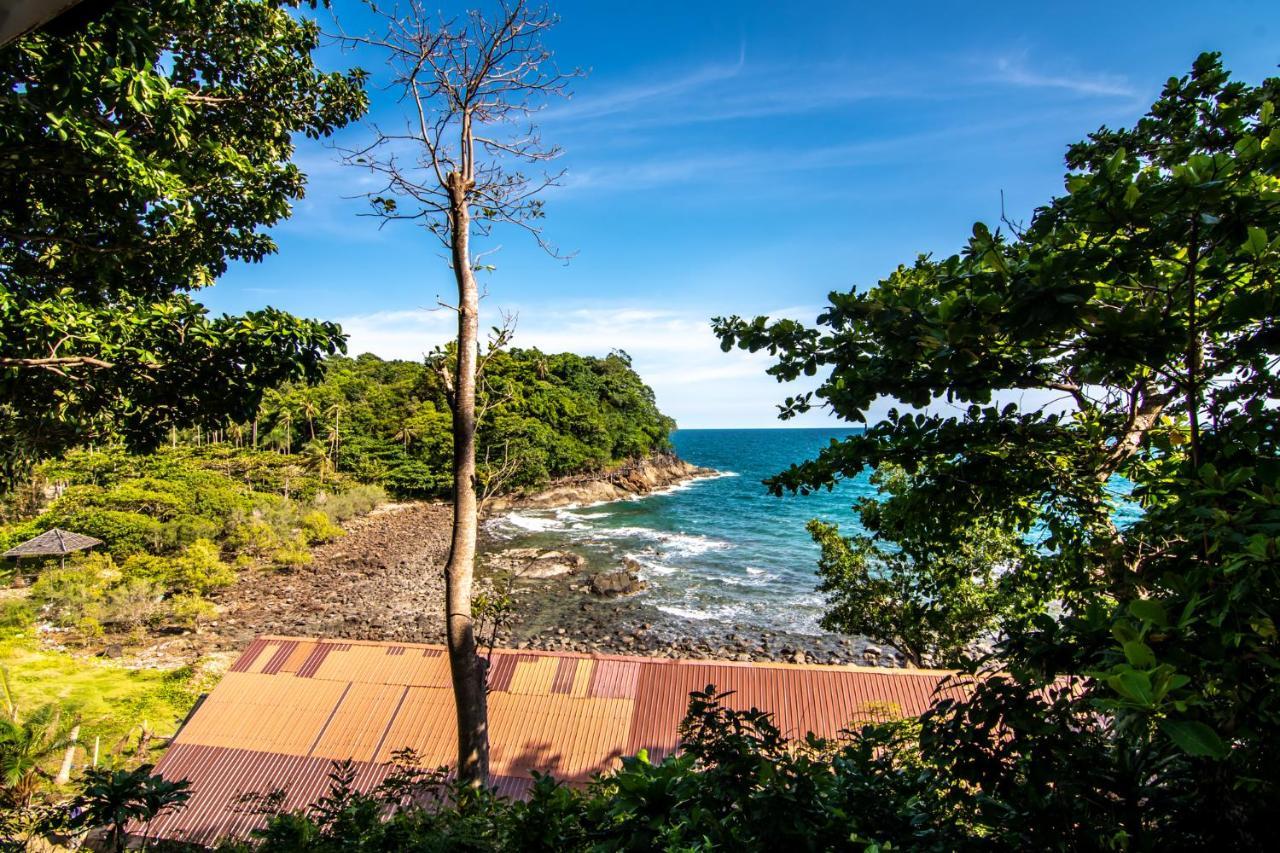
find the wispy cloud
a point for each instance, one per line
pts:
(1016, 71)
(747, 166)
(657, 89)
(720, 92)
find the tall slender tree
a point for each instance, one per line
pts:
(472, 85)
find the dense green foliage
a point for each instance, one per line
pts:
(929, 599)
(143, 148)
(737, 785)
(542, 416)
(1145, 299)
(175, 525)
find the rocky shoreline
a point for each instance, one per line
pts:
(634, 480)
(384, 581)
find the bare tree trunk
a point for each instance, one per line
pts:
(464, 660)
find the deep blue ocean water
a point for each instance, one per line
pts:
(720, 549)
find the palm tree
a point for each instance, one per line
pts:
(285, 440)
(407, 432)
(26, 746)
(316, 458)
(310, 410)
(334, 431)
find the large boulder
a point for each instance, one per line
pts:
(537, 564)
(620, 582)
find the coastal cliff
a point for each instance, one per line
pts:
(634, 479)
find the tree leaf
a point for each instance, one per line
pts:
(1194, 738)
(1149, 610)
(1139, 653)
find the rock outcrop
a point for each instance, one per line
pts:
(621, 582)
(536, 563)
(642, 477)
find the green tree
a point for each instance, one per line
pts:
(140, 154)
(928, 596)
(1144, 298)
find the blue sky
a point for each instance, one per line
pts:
(748, 158)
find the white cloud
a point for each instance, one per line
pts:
(673, 350)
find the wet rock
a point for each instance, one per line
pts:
(621, 582)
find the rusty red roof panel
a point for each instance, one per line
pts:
(289, 707)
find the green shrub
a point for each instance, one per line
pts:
(355, 501)
(130, 604)
(252, 537)
(198, 569)
(74, 591)
(16, 615)
(191, 610)
(182, 531)
(318, 528)
(293, 554)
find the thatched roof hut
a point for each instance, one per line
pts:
(53, 543)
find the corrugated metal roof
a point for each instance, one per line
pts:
(291, 706)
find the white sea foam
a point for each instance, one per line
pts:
(717, 612)
(650, 566)
(533, 523)
(682, 544)
(757, 578)
(686, 613)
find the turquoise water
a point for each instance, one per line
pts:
(713, 550)
(720, 551)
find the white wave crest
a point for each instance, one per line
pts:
(533, 523)
(682, 544)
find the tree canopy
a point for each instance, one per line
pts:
(141, 151)
(1128, 330)
(543, 416)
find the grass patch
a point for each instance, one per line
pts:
(111, 700)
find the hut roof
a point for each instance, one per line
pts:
(53, 543)
(291, 706)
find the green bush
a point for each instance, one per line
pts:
(16, 615)
(130, 604)
(352, 502)
(198, 569)
(293, 554)
(73, 592)
(190, 610)
(252, 538)
(318, 528)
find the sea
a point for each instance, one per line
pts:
(716, 549)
